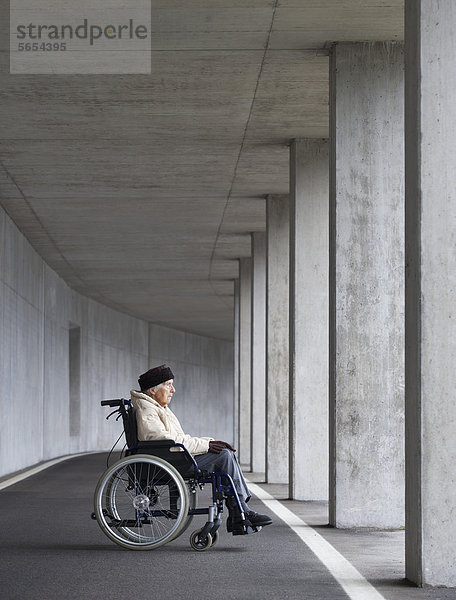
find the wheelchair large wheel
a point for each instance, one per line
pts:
(141, 502)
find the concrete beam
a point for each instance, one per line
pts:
(251, 75)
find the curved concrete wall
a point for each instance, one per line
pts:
(61, 353)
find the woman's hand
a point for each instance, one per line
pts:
(216, 446)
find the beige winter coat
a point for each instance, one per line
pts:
(157, 422)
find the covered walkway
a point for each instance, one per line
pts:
(266, 202)
(51, 548)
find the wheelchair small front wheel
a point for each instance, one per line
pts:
(199, 542)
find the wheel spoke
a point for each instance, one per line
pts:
(142, 502)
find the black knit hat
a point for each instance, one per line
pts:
(154, 377)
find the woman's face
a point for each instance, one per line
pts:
(164, 393)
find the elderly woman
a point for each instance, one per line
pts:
(156, 421)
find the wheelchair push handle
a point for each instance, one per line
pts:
(115, 402)
(119, 404)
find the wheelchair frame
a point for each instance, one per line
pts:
(149, 497)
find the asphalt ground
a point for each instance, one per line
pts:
(51, 548)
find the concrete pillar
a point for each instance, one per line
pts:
(366, 285)
(258, 371)
(277, 332)
(309, 201)
(236, 363)
(430, 292)
(245, 354)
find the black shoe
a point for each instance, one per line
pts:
(257, 520)
(252, 524)
(238, 526)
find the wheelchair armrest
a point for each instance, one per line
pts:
(187, 453)
(156, 443)
(182, 461)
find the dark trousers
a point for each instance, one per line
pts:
(226, 462)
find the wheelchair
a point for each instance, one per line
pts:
(149, 497)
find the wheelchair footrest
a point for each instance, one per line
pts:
(246, 529)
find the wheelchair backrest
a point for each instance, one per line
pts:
(130, 427)
(181, 460)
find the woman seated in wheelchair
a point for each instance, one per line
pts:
(156, 421)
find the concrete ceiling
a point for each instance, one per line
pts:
(141, 190)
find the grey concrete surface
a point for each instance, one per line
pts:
(236, 351)
(174, 193)
(430, 293)
(39, 403)
(258, 357)
(245, 358)
(367, 285)
(37, 310)
(277, 346)
(59, 551)
(309, 258)
(140, 194)
(377, 554)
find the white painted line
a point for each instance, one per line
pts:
(351, 580)
(29, 472)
